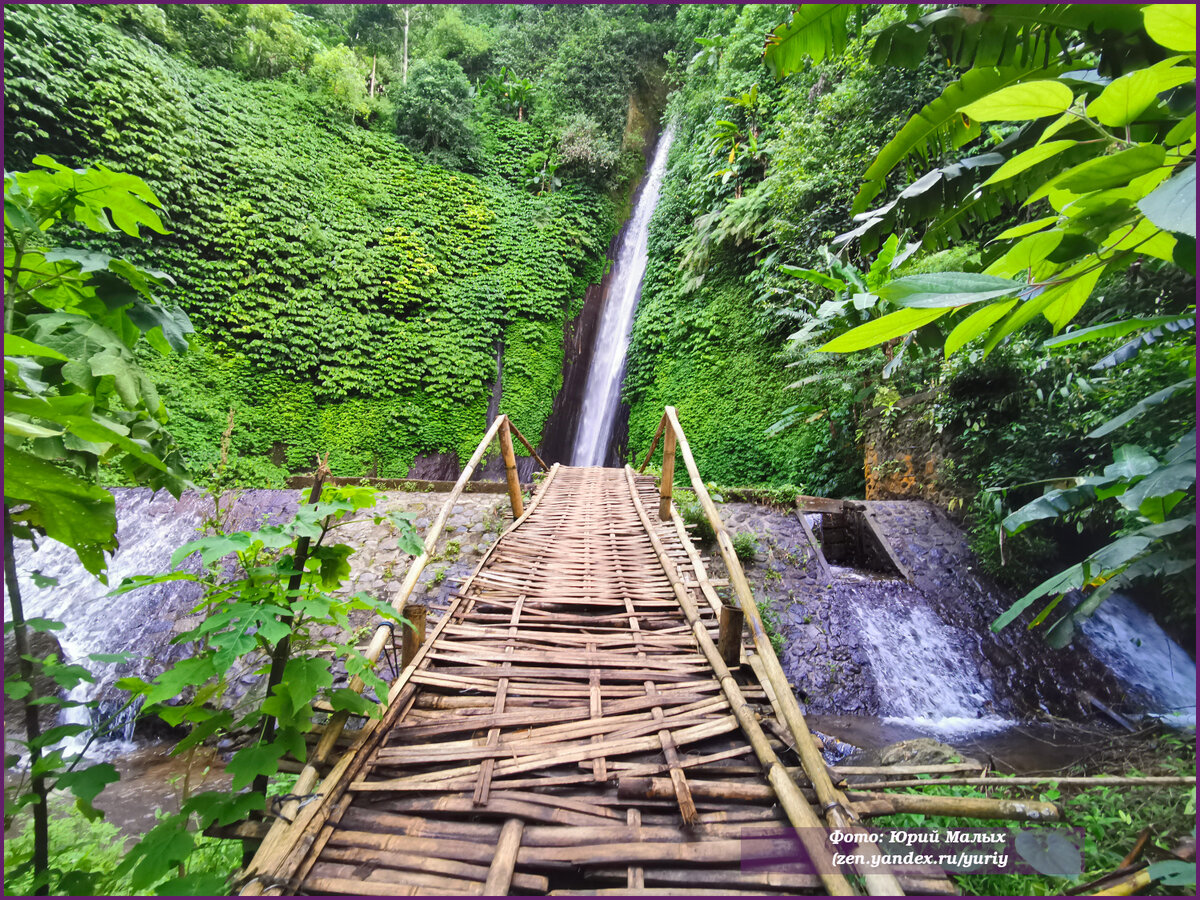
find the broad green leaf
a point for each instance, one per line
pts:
(187, 673)
(946, 289)
(939, 125)
(1130, 349)
(213, 548)
(1108, 171)
(1183, 132)
(1173, 871)
(86, 784)
(15, 345)
(1131, 462)
(1142, 406)
(304, 677)
(1027, 254)
(882, 329)
(198, 884)
(1185, 448)
(1172, 25)
(354, 703)
(1050, 505)
(1028, 159)
(1166, 485)
(63, 505)
(24, 429)
(1026, 228)
(1172, 205)
(1069, 298)
(1021, 102)
(1145, 237)
(1129, 96)
(821, 279)
(815, 31)
(976, 324)
(250, 762)
(1114, 329)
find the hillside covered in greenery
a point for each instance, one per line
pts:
(350, 285)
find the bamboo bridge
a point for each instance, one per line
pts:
(588, 716)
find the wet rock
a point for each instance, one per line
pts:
(920, 752)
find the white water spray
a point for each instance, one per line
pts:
(602, 393)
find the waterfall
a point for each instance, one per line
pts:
(923, 668)
(602, 394)
(151, 526)
(1159, 674)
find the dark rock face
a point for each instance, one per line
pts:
(435, 467)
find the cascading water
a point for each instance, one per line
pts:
(923, 670)
(602, 394)
(151, 526)
(1159, 674)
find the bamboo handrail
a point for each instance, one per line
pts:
(528, 446)
(798, 810)
(310, 774)
(833, 802)
(284, 833)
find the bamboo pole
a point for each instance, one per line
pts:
(799, 812)
(967, 807)
(832, 801)
(528, 446)
(510, 468)
(667, 482)
(500, 875)
(310, 774)
(662, 423)
(1024, 781)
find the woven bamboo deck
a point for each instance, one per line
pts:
(561, 730)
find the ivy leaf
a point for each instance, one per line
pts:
(882, 329)
(1172, 205)
(947, 289)
(86, 784)
(1021, 102)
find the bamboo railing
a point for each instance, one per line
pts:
(502, 430)
(834, 804)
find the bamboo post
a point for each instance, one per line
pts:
(499, 878)
(729, 638)
(510, 468)
(668, 476)
(798, 810)
(414, 633)
(967, 807)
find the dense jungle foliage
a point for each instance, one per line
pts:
(240, 237)
(352, 290)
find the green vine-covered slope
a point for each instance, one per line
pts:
(350, 298)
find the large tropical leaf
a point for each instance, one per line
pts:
(1142, 406)
(940, 127)
(815, 31)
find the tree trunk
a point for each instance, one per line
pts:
(33, 730)
(406, 46)
(372, 89)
